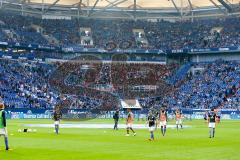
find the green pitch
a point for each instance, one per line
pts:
(106, 144)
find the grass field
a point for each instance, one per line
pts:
(105, 144)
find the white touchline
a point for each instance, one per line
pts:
(137, 126)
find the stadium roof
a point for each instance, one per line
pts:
(140, 3)
(137, 9)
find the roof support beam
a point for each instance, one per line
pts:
(79, 9)
(190, 5)
(1, 3)
(190, 8)
(229, 8)
(181, 9)
(49, 7)
(113, 4)
(135, 8)
(25, 4)
(109, 2)
(219, 7)
(174, 4)
(4, 4)
(94, 6)
(80, 6)
(42, 6)
(79, 3)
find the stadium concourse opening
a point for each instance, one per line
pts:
(131, 103)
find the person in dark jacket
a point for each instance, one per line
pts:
(116, 118)
(151, 120)
(57, 115)
(212, 123)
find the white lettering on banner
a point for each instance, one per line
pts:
(7, 57)
(56, 17)
(177, 51)
(30, 116)
(69, 49)
(200, 50)
(101, 50)
(4, 43)
(160, 51)
(223, 49)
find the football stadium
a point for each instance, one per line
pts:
(119, 79)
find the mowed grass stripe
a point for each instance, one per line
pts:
(105, 144)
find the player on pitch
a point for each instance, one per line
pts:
(212, 123)
(129, 122)
(57, 115)
(116, 119)
(151, 120)
(179, 116)
(163, 121)
(3, 125)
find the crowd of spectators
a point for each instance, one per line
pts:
(32, 84)
(84, 103)
(25, 84)
(81, 85)
(217, 86)
(119, 33)
(139, 80)
(109, 82)
(67, 32)
(232, 101)
(18, 29)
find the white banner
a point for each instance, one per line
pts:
(132, 104)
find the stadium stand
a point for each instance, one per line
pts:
(31, 84)
(25, 84)
(160, 35)
(209, 89)
(99, 84)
